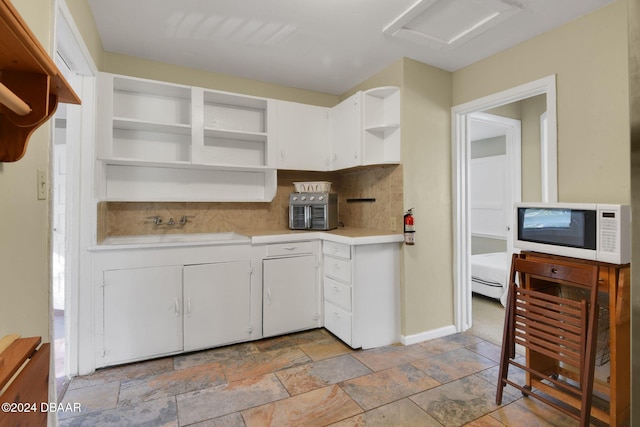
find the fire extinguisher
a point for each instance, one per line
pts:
(409, 228)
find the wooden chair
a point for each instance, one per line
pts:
(558, 333)
(30, 386)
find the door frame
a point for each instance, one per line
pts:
(460, 179)
(80, 221)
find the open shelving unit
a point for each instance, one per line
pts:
(381, 140)
(166, 142)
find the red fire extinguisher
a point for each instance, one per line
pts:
(409, 228)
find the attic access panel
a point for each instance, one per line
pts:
(446, 24)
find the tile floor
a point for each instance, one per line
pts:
(310, 379)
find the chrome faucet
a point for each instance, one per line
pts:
(156, 219)
(184, 219)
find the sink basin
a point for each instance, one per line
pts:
(201, 238)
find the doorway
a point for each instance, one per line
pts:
(72, 209)
(461, 148)
(495, 184)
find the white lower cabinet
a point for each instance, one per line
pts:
(291, 295)
(362, 293)
(217, 304)
(142, 313)
(157, 301)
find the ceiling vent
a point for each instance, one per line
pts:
(445, 24)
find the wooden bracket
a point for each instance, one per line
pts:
(30, 77)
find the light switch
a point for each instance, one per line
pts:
(42, 184)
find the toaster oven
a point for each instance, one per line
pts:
(313, 211)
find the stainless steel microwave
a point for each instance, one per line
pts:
(313, 211)
(580, 230)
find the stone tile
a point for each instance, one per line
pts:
(92, 399)
(446, 367)
(386, 357)
(487, 349)
(516, 375)
(300, 338)
(325, 349)
(400, 413)
(155, 413)
(450, 342)
(530, 412)
(171, 383)
(232, 420)
(228, 398)
(486, 421)
(315, 408)
(382, 387)
(123, 373)
(215, 355)
(460, 402)
(311, 376)
(263, 363)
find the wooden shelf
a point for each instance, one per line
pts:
(28, 72)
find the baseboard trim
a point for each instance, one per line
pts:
(428, 335)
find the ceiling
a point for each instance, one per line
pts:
(323, 45)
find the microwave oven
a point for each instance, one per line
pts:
(598, 232)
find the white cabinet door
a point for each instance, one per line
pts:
(217, 304)
(303, 136)
(346, 133)
(142, 313)
(291, 295)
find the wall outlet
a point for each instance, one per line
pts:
(42, 184)
(392, 223)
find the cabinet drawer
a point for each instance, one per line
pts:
(338, 322)
(338, 293)
(339, 250)
(337, 268)
(294, 248)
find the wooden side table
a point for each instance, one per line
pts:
(613, 283)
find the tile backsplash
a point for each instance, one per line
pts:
(382, 183)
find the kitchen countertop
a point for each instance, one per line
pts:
(346, 235)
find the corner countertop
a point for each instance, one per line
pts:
(346, 235)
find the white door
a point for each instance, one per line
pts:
(142, 313)
(495, 182)
(303, 136)
(346, 133)
(217, 304)
(291, 295)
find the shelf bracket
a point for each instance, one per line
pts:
(31, 87)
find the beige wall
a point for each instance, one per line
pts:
(426, 157)
(589, 57)
(24, 220)
(83, 19)
(137, 67)
(528, 111)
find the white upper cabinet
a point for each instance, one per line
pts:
(165, 142)
(161, 141)
(381, 117)
(346, 133)
(364, 129)
(303, 134)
